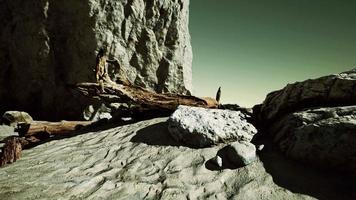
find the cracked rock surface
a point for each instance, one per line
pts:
(332, 90)
(201, 127)
(45, 45)
(322, 136)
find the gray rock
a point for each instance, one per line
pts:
(12, 118)
(97, 113)
(240, 153)
(45, 45)
(335, 90)
(322, 136)
(202, 127)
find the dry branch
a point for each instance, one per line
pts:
(118, 93)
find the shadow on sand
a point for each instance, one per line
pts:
(157, 134)
(304, 179)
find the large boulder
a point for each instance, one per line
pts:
(45, 45)
(325, 137)
(332, 90)
(201, 127)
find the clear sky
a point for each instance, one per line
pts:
(252, 47)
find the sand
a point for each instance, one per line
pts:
(141, 161)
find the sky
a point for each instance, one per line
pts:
(253, 47)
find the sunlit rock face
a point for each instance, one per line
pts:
(45, 45)
(333, 90)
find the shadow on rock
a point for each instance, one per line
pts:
(302, 178)
(156, 134)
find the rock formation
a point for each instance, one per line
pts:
(322, 136)
(202, 127)
(314, 121)
(332, 90)
(45, 45)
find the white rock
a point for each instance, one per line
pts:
(217, 160)
(13, 117)
(205, 127)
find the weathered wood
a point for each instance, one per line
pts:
(36, 133)
(11, 150)
(119, 93)
(50, 128)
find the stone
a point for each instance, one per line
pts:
(217, 160)
(260, 147)
(201, 127)
(46, 45)
(240, 153)
(324, 137)
(12, 118)
(332, 90)
(97, 113)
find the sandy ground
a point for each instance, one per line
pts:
(141, 161)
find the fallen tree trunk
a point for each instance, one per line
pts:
(147, 100)
(50, 128)
(36, 133)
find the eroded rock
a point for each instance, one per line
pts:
(202, 127)
(332, 90)
(240, 153)
(45, 45)
(322, 136)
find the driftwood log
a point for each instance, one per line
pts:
(146, 103)
(37, 133)
(147, 100)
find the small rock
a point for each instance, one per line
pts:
(95, 114)
(260, 147)
(11, 118)
(203, 127)
(217, 160)
(241, 153)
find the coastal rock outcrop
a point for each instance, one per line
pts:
(332, 90)
(46, 45)
(202, 127)
(322, 136)
(314, 121)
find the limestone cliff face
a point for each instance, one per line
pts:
(47, 44)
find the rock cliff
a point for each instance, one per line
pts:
(47, 44)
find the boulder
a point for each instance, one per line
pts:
(12, 118)
(46, 45)
(202, 127)
(332, 90)
(325, 137)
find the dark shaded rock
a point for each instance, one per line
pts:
(325, 137)
(239, 153)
